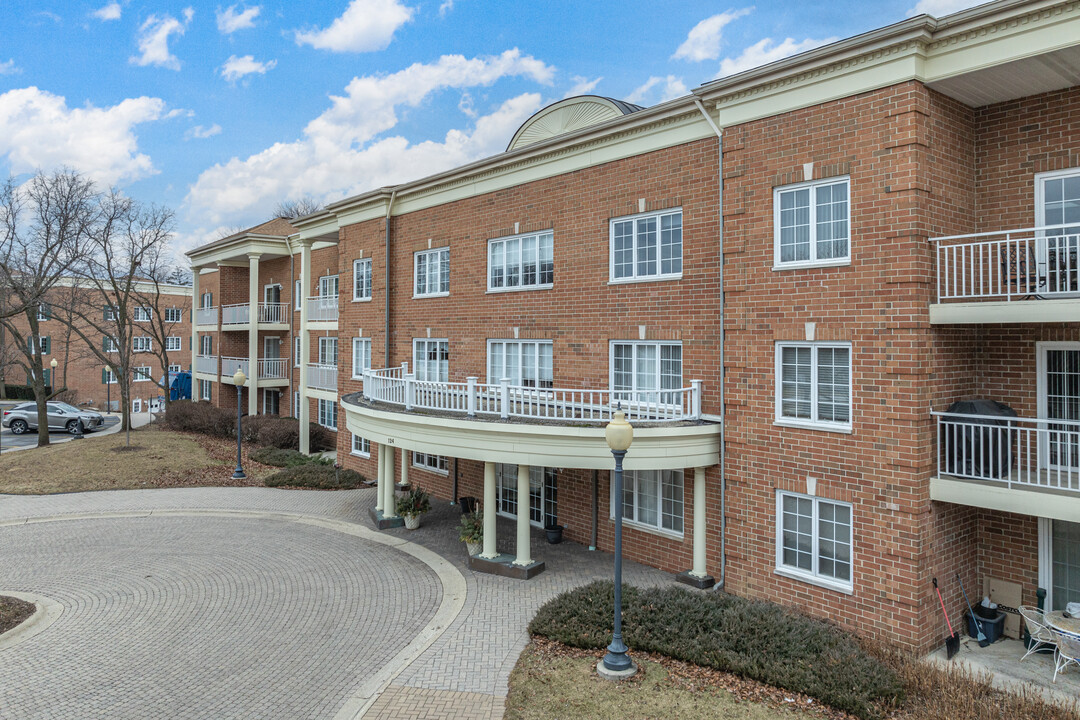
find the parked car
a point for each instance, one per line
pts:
(24, 418)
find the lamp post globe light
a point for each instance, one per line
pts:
(239, 378)
(616, 664)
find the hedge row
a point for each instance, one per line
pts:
(269, 430)
(317, 476)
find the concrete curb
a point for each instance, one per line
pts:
(454, 588)
(45, 614)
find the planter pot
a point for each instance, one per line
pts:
(412, 522)
(554, 534)
(474, 548)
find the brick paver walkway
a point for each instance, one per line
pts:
(253, 576)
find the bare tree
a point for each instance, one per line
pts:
(164, 311)
(292, 209)
(44, 225)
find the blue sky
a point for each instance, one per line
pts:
(219, 110)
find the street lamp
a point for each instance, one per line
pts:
(239, 378)
(616, 664)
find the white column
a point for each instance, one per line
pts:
(305, 347)
(489, 512)
(389, 501)
(404, 467)
(380, 472)
(523, 549)
(699, 523)
(195, 302)
(253, 333)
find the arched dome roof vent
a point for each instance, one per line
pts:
(568, 115)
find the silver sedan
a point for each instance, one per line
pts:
(24, 417)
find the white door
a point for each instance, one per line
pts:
(1057, 198)
(272, 348)
(136, 405)
(1059, 399)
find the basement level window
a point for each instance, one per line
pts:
(814, 539)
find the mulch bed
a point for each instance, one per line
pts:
(13, 612)
(694, 677)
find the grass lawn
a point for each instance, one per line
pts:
(13, 612)
(157, 458)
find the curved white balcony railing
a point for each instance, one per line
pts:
(206, 316)
(322, 308)
(396, 386)
(206, 364)
(229, 365)
(322, 377)
(272, 369)
(236, 314)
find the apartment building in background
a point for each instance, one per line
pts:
(786, 279)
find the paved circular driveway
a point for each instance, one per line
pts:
(204, 616)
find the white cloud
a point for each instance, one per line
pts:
(941, 8)
(339, 154)
(153, 40)
(703, 40)
(38, 130)
(447, 6)
(229, 20)
(364, 26)
(765, 51)
(672, 87)
(9, 68)
(582, 86)
(201, 133)
(111, 11)
(237, 67)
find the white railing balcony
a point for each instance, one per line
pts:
(322, 308)
(396, 386)
(1021, 453)
(206, 364)
(236, 314)
(206, 316)
(272, 369)
(322, 377)
(1033, 263)
(273, 313)
(229, 365)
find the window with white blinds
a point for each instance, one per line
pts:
(813, 385)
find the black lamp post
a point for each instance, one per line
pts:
(239, 378)
(616, 664)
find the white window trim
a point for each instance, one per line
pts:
(137, 376)
(370, 290)
(328, 340)
(645, 527)
(113, 345)
(142, 308)
(352, 446)
(169, 342)
(354, 343)
(169, 310)
(659, 277)
(327, 278)
(110, 377)
(296, 351)
(829, 426)
(431, 251)
(149, 344)
(658, 343)
(204, 390)
(523, 288)
(801, 575)
(298, 292)
(428, 468)
(175, 369)
(800, 264)
(519, 341)
(432, 340)
(43, 317)
(318, 413)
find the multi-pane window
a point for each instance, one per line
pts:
(206, 344)
(173, 369)
(109, 344)
(362, 279)
(173, 315)
(812, 222)
(204, 389)
(141, 344)
(643, 371)
(142, 373)
(172, 343)
(361, 356)
(328, 414)
(813, 383)
(206, 300)
(44, 312)
(524, 362)
(647, 246)
(431, 360)
(328, 351)
(110, 312)
(108, 377)
(143, 314)
(328, 286)
(296, 351)
(814, 538)
(542, 493)
(654, 498)
(427, 461)
(40, 345)
(431, 271)
(361, 446)
(525, 261)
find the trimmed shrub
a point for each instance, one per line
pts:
(756, 639)
(267, 430)
(316, 475)
(280, 457)
(202, 417)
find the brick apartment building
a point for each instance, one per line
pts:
(785, 279)
(82, 372)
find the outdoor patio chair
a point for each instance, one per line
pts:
(1041, 635)
(1068, 651)
(1020, 269)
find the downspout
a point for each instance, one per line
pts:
(721, 581)
(386, 271)
(595, 506)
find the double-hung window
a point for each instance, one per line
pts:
(427, 461)
(361, 446)
(813, 385)
(142, 373)
(812, 223)
(653, 499)
(362, 279)
(361, 356)
(646, 372)
(647, 247)
(172, 343)
(173, 315)
(431, 360)
(521, 262)
(328, 286)
(141, 344)
(813, 540)
(431, 272)
(328, 414)
(328, 351)
(524, 362)
(143, 314)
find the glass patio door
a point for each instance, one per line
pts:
(542, 493)
(1058, 196)
(1059, 446)
(1064, 563)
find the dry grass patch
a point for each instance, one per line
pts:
(13, 611)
